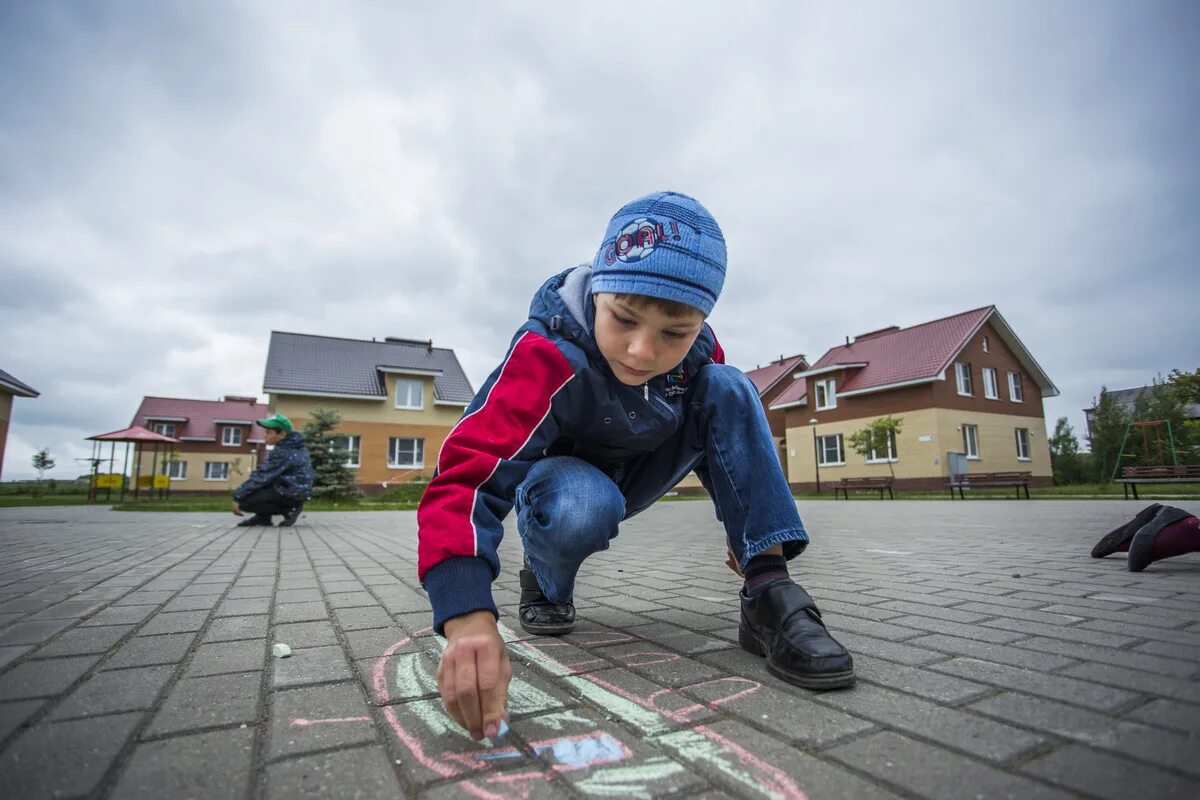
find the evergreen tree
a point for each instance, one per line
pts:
(1064, 455)
(1107, 432)
(332, 479)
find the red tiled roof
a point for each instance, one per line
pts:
(200, 415)
(908, 354)
(135, 433)
(766, 377)
(797, 391)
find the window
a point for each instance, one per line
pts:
(165, 428)
(350, 446)
(177, 470)
(991, 390)
(1023, 444)
(826, 393)
(971, 440)
(410, 394)
(231, 437)
(1015, 392)
(886, 454)
(962, 374)
(216, 470)
(408, 453)
(830, 451)
(985, 345)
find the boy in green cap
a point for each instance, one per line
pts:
(282, 483)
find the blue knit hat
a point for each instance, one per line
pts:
(663, 245)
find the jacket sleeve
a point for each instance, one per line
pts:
(264, 475)
(486, 456)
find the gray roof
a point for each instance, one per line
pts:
(19, 388)
(300, 363)
(1128, 398)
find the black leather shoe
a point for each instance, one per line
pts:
(782, 622)
(1111, 541)
(539, 615)
(257, 519)
(289, 519)
(1141, 549)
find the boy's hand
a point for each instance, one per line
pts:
(474, 674)
(731, 560)
(237, 509)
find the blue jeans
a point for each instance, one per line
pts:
(568, 509)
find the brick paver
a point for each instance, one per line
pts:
(995, 659)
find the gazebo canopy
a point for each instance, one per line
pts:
(135, 433)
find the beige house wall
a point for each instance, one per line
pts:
(241, 464)
(926, 437)
(377, 421)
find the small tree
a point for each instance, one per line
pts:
(1107, 432)
(42, 462)
(332, 479)
(1064, 454)
(878, 438)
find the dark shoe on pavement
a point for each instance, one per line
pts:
(1141, 549)
(289, 519)
(539, 615)
(781, 621)
(1119, 538)
(257, 519)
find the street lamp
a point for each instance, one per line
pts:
(816, 454)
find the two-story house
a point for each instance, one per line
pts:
(398, 398)
(10, 387)
(219, 444)
(962, 384)
(772, 381)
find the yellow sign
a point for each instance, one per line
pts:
(161, 481)
(108, 481)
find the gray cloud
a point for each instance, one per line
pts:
(420, 172)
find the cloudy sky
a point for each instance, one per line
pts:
(179, 179)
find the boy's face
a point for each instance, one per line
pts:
(641, 342)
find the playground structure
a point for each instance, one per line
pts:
(1152, 441)
(137, 436)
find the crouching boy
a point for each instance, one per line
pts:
(612, 391)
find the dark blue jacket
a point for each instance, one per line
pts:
(554, 394)
(287, 469)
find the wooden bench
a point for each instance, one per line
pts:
(1180, 473)
(881, 483)
(1019, 480)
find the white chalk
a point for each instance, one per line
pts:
(281, 650)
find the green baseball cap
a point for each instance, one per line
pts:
(277, 421)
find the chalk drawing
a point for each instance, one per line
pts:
(599, 758)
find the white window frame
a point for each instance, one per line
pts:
(962, 378)
(991, 385)
(874, 458)
(208, 470)
(418, 452)
(1016, 392)
(985, 345)
(408, 385)
(225, 436)
(971, 437)
(355, 450)
(164, 429)
(825, 394)
(1023, 445)
(169, 468)
(840, 447)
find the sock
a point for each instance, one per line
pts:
(1177, 538)
(762, 570)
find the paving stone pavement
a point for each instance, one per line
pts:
(996, 659)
